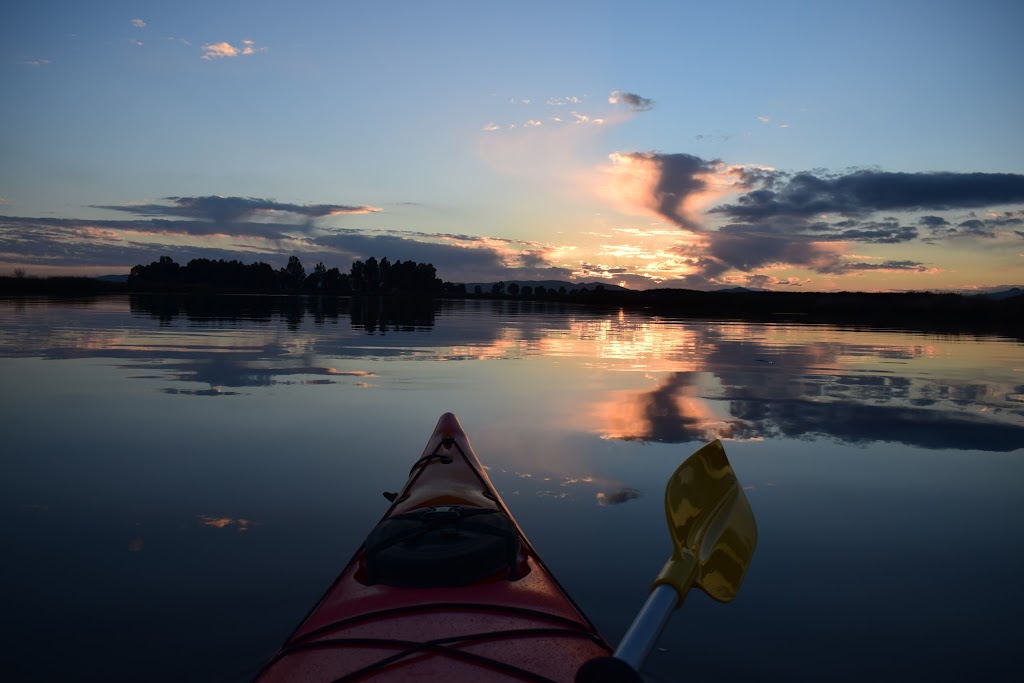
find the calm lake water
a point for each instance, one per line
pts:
(182, 479)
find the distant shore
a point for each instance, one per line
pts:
(943, 313)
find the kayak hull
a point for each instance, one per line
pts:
(494, 612)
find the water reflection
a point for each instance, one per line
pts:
(658, 381)
(617, 497)
(169, 509)
(241, 525)
(378, 315)
(760, 382)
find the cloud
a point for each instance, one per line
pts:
(989, 227)
(664, 183)
(863, 192)
(933, 222)
(227, 210)
(1009, 218)
(887, 231)
(458, 258)
(747, 247)
(580, 119)
(226, 49)
(888, 266)
(218, 50)
(779, 219)
(138, 23)
(975, 228)
(631, 100)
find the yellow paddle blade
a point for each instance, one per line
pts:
(712, 526)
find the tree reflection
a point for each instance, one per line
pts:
(374, 314)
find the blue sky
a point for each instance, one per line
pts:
(870, 145)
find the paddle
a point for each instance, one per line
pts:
(713, 534)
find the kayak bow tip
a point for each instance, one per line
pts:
(449, 425)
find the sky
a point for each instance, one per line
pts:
(792, 146)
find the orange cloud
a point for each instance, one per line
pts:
(226, 49)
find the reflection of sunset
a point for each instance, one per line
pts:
(224, 522)
(641, 343)
(750, 381)
(616, 374)
(633, 415)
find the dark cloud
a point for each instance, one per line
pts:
(155, 226)
(746, 247)
(58, 242)
(679, 175)
(887, 231)
(971, 228)
(451, 261)
(975, 228)
(76, 243)
(534, 259)
(631, 100)
(229, 210)
(844, 267)
(783, 218)
(600, 270)
(1007, 219)
(454, 261)
(863, 192)
(933, 222)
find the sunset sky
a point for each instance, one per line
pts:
(788, 145)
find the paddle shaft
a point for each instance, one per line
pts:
(647, 626)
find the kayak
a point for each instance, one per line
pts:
(446, 587)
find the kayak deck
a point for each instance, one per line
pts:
(488, 607)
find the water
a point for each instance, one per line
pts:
(182, 479)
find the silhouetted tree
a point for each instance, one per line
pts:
(161, 272)
(293, 276)
(372, 275)
(318, 279)
(358, 276)
(335, 281)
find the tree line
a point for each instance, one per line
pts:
(372, 276)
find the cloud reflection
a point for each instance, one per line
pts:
(239, 524)
(847, 392)
(618, 497)
(647, 379)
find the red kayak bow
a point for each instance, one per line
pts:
(445, 588)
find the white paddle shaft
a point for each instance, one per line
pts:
(647, 626)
